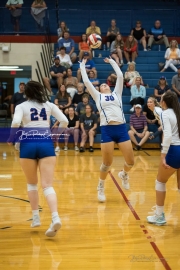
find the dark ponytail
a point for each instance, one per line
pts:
(36, 92)
(171, 100)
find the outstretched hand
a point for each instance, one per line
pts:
(106, 60)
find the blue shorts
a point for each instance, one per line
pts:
(173, 156)
(37, 150)
(114, 133)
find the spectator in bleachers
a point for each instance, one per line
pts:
(117, 47)
(63, 99)
(149, 114)
(139, 34)
(72, 129)
(15, 8)
(157, 35)
(130, 76)
(88, 124)
(6, 103)
(81, 107)
(90, 66)
(130, 49)
(112, 32)
(69, 44)
(93, 29)
(161, 88)
(93, 79)
(78, 96)
(38, 12)
(84, 47)
(138, 93)
(71, 83)
(18, 98)
(111, 79)
(176, 83)
(172, 56)
(62, 28)
(139, 128)
(57, 73)
(64, 58)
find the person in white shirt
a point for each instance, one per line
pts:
(172, 56)
(64, 58)
(170, 153)
(37, 149)
(113, 126)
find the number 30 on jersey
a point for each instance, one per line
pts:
(35, 115)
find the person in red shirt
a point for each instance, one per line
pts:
(84, 47)
(130, 49)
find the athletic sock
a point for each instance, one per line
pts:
(35, 212)
(159, 210)
(125, 172)
(54, 215)
(179, 190)
(101, 183)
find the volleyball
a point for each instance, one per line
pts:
(94, 41)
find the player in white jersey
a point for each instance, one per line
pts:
(37, 151)
(170, 153)
(113, 126)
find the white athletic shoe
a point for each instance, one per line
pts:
(17, 146)
(36, 221)
(76, 148)
(101, 195)
(57, 149)
(54, 227)
(65, 148)
(124, 177)
(157, 220)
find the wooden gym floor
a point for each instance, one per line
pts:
(94, 236)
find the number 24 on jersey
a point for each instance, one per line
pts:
(35, 115)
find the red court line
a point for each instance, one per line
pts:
(157, 251)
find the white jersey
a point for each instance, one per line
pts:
(34, 114)
(108, 105)
(170, 130)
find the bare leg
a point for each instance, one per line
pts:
(134, 55)
(126, 54)
(116, 58)
(132, 137)
(47, 84)
(79, 75)
(76, 136)
(91, 137)
(60, 81)
(143, 41)
(83, 139)
(81, 53)
(127, 151)
(107, 150)
(144, 139)
(119, 52)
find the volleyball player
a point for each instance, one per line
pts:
(38, 153)
(170, 153)
(113, 126)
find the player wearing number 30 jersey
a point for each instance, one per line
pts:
(113, 126)
(38, 152)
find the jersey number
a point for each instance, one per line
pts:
(108, 98)
(35, 115)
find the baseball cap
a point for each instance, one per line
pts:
(162, 77)
(178, 67)
(56, 57)
(86, 54)
(22, 83)
(138, 106)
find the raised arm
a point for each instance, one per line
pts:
(92, 90)
(119, 81)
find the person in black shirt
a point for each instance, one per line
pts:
(140, 34)
(18, 98)
(58, 73)
(78, 96)
(149, 115)
(88, 124)
(161, 88)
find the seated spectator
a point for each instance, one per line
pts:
(63, 99)
(81, 107)
(116, 50)
(112, 32)
(130, 49)
(130, 76)
(93, 79)
(78, 96)
(93, 29)
(149, 115)
(176, 83)
(72, 129)
(172, 56)
(90, 66)
(15, 8)
(69, 44)
(38, 12)
(139, 129)
(161, 88)
(62, 28)
(84, 47)
(88, 124)
(71, 83)
(111, 79)
(57, 73)
(6, 103)
(139, 34)
(138, 93)
(157, 36)
(64, 58)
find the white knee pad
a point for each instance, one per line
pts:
(159, 186)
(31, 187)
(49, 190)
(128, 165)
(104, 168)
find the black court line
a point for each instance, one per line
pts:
(146, 153)
(144, 230)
